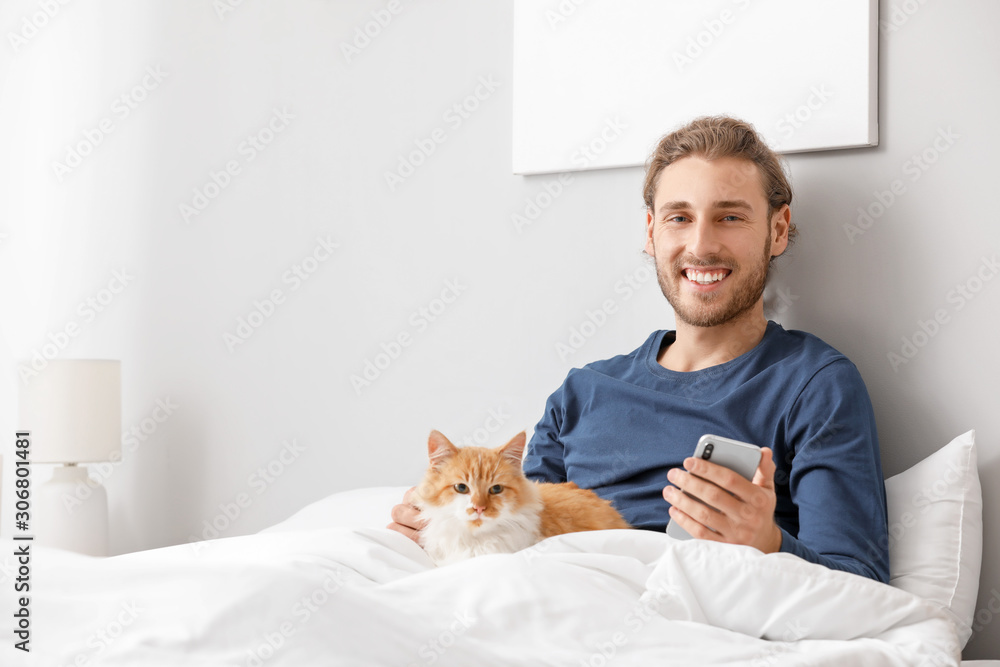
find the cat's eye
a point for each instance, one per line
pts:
(461, 488)
(496, 488)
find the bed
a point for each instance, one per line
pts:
(331, 586)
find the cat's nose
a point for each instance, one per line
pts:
(479, 509)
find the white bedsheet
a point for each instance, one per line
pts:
(366, 596)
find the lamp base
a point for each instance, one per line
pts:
(70, 511)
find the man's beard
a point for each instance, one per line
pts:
(744, 295)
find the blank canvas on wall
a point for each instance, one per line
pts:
(597, 83)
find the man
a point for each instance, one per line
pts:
(717, 215)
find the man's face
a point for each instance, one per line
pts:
(711, 238)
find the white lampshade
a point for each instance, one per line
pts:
(73, 410)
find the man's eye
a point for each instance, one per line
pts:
(732, 218)
(496, 488)
(461, 488)
(677, 218)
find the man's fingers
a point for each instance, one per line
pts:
(720, 498)
(693, 527)
(693, 508)
(407, 515)
(708, 493)
(745, 510)
(405, 530)
(720, 476)
(765, 471)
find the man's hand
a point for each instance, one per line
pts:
(744, 511)
(406, 517)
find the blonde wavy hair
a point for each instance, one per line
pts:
(713, 137)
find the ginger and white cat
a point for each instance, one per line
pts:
(477, 501)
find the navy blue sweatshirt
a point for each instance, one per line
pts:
(617, 426)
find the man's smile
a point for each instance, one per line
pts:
(705, 279)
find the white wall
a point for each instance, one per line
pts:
(521, 290)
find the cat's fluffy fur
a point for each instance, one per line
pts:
(498, 510)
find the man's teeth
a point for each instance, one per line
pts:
(705, 278)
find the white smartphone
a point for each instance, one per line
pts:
(740, 457)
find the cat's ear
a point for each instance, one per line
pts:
(439, 448)
(514, 449)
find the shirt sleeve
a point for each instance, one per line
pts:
(836, 481)
(544, 461)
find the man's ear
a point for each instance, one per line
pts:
(648, 249)
(781, 220)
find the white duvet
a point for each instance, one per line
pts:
(369, 596)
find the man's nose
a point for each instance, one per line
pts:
(704, 239)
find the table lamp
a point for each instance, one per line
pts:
(72, 409)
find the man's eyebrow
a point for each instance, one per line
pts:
(722, 203)
(674, 205)
(734, 203)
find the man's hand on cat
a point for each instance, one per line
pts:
(406, 517)
(744, 511)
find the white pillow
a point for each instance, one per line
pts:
(359, 508)
(936, 530)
